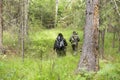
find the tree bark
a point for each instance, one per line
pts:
(1, 28)
(26, 5)
(119, 41)
(114, 37)
(89, 59)
(24, 24)
(22, 29)
(56, 13)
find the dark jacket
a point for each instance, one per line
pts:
(58, 39)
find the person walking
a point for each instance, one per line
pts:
(74, 39)
(60, 45)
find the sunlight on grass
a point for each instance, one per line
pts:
(33, 69)
(41, 62)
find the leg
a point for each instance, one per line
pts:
(58, 53)
(74, 49)
(64, 52)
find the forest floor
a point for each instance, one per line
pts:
(42, 63)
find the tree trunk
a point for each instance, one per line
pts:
(114, 35)
(102, 30)
(1, 28)
(56, 13)
(101, 42)
(26, 5)
(24, 23)
(89, 59)
(22, 28)
(118, 41)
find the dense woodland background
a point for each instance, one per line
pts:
(28, 29)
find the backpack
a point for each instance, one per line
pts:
(74, 39)
(60, 44)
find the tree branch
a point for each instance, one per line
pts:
(116, 7)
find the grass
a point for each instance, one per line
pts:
(53, 69)
(35, 69)
(41, 62)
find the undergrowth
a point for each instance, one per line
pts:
(62, 68)
(41, 62)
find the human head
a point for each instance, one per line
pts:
(74, 32)
(60, 34)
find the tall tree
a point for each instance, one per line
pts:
(26, 5)
(22, 18)
(24, 23)
(56, 12)
(102, 28)
(89, 59)
(1, 30)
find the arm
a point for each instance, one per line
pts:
(70, 39)
(65, 42)
(78, 39)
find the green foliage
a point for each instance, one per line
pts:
(69, 14)
(40, 13)
(34, 69)
(10, 14)
(109, 72)
(41, 63)
(62, 68)
(108, 15)
(40, 42)
(10, 39)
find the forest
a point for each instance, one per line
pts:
(89, 31)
